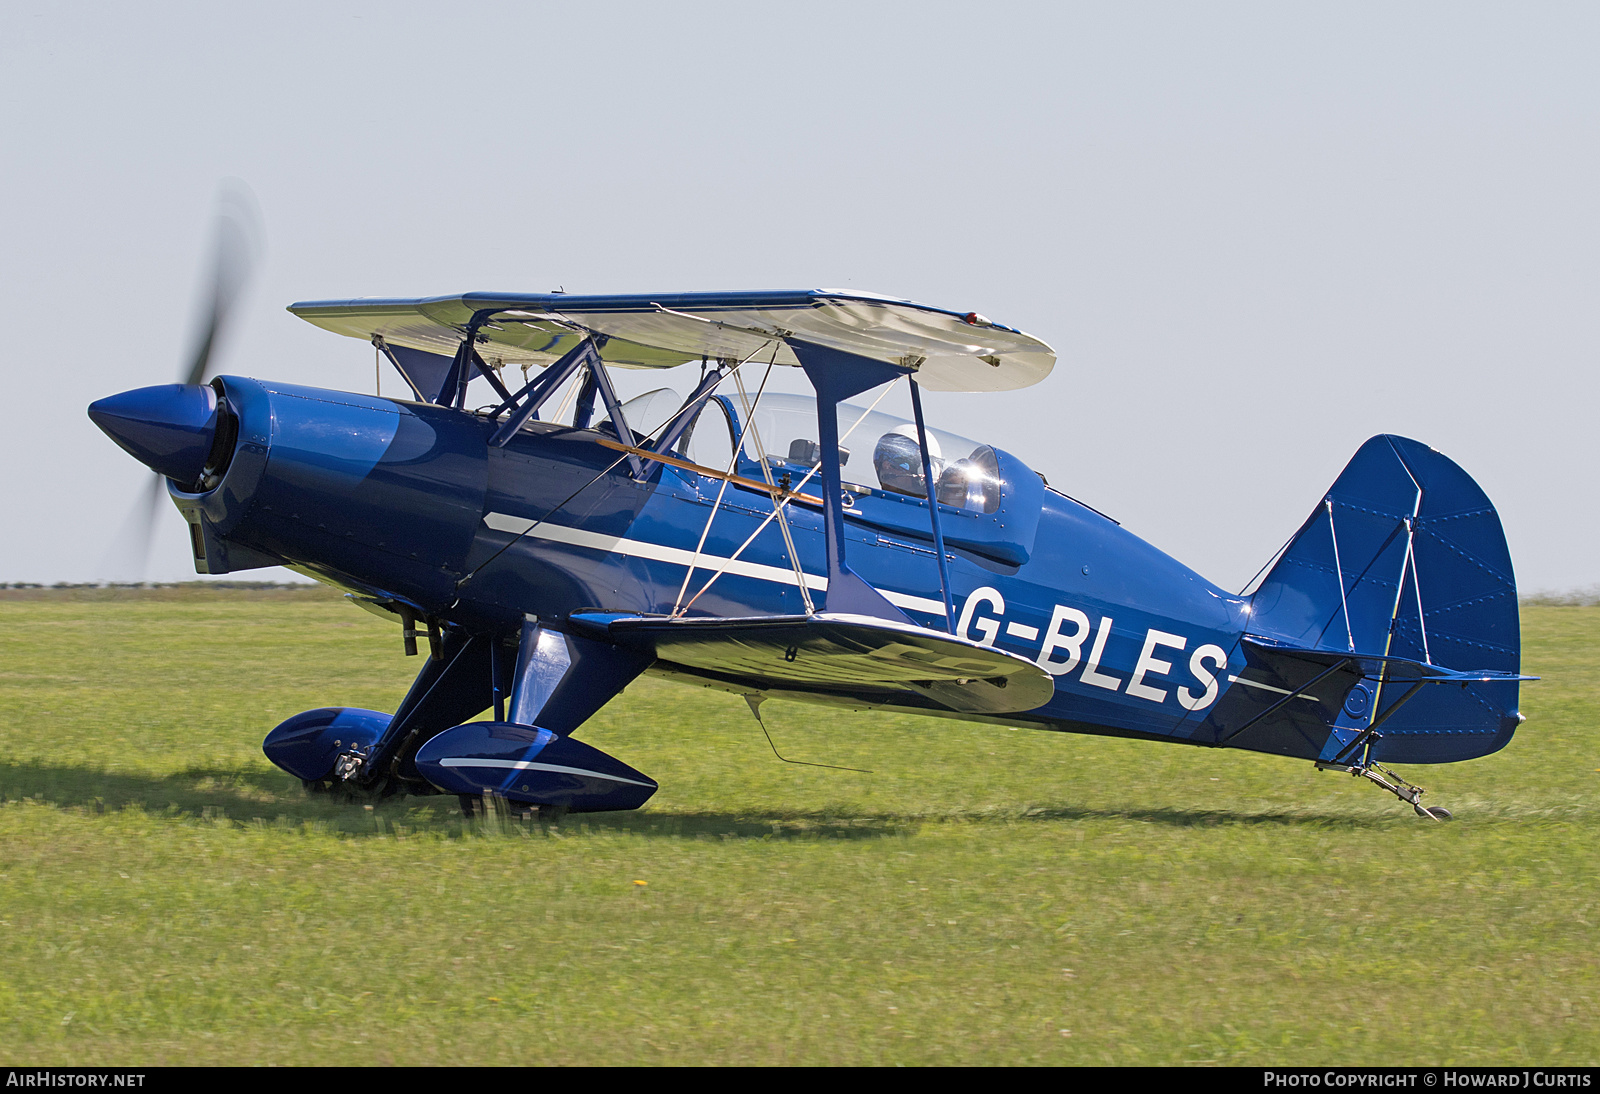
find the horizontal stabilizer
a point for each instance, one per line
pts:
(873, 659)
(1391, 669)
(1312, 703)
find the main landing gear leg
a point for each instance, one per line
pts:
(1407, 792)
(450, 689)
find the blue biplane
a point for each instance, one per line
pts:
(551, 542)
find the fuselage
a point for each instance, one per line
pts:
(407, 503)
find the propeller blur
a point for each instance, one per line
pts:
(235, 243)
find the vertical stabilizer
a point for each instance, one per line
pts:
(1405, 557)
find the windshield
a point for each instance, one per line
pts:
(647, 413)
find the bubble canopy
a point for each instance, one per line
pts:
(877, 450)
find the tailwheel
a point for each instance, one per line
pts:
(1408, 792)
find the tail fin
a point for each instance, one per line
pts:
(1405, 558)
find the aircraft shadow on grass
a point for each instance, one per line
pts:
(229, 794)
(1207, 818)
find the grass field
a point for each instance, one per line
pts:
(985, 895)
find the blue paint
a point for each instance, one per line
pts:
(533, 766)
(425, 372)
(308, 744)
(168, 428)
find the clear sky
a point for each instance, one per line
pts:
(1256, 234)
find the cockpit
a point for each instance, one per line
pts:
(880, 464)
(783, 433)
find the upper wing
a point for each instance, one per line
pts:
(952, 351)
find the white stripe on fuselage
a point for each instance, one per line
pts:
(530, 765)
(1249, 683)
(677, 556)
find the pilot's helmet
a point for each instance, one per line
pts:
(907, 429)
(898, 461)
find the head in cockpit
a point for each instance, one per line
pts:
(898, 461)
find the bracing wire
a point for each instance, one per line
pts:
(602, 473)
(796, 489)
(772, 488)
(1400, 585)
(1339, 571)
(1416, 586)
(733, 461)
(1270, 560)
